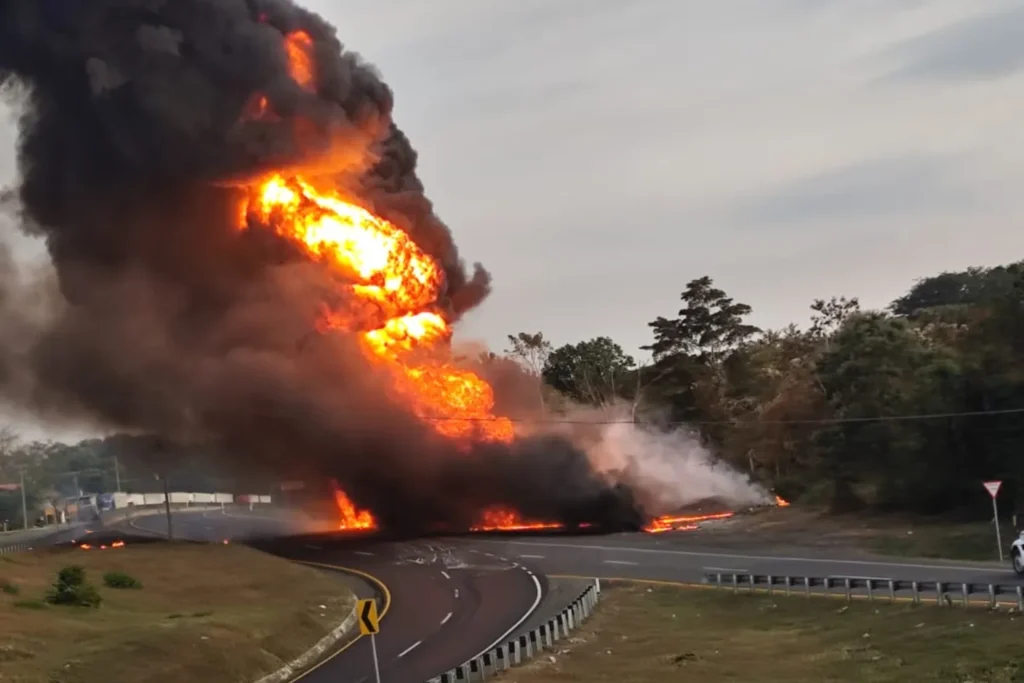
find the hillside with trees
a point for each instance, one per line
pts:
(906, 409)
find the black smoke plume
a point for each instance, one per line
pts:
(134, 141)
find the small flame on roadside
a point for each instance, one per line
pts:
(115, 544)
(499, 518)
(352, 519)
(682, 522)
(781, 502)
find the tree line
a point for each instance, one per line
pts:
(904, 409)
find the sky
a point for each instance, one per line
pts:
(596, 155)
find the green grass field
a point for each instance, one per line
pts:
(644, 634)
(216, 614)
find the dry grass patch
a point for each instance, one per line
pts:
(655, 634)
(218, 613)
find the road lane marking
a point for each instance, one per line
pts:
(529, 612)
(446, 618)
(725, 570)
(533, 557)
(456, 593)
(362, 552)
(410, 648)
(770, 558)
(385, 598)
(445, 575)
(620, 562)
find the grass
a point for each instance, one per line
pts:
(965, 541)
(219, 613)
(653, 634)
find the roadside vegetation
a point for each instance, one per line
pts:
(159, 613)
(652, 634)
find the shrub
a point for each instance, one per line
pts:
(8, 587)
(120, 580)
(30, 604)
(70, 588)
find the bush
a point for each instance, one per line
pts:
(30, 604)
(8, 587)
(120, 580)
(70, 588)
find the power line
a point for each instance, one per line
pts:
(680, 423)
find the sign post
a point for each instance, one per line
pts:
(993, 490)
(369, 625)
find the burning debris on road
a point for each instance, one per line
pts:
(245, 257)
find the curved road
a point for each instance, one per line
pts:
(454, 598)
(445, 603)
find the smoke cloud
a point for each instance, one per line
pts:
(135, 139)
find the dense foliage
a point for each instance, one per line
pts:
(907, 409)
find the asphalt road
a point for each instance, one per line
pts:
(447, 602)
(453, 598)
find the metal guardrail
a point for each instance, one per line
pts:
(942, 593)
(525, 647)
(15, 548)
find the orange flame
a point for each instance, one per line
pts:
(500, 518)
(682, 522)
(301, 66)
(351, 518)
(781, 502)
(401, 329)
(117, 544)
(85, 546)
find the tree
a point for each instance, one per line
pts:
(592, 372)
(694, 354)
(531, 351)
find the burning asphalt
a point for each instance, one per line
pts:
(244, 257)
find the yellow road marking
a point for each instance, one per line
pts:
(385, 592)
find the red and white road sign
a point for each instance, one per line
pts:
(993, 487)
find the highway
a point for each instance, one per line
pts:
(450, 599)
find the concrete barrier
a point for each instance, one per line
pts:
(521, 649)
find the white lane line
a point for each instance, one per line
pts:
(731, 556)
(619, 562)
(727, 570)
(533, 557)
(456, 593)
(506, 634)
(446, 618)
(445, 575)
(409, 649)
(362, 552)
(862, 578)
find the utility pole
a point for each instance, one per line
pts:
(167, 507)
(24, 505)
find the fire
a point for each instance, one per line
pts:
(682, 522)
(400, 327)
(351, 518)
(500, 518)
(781, 502)
(301, 66)
(115, 544)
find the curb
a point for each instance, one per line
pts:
(525, 647)
(303, 661)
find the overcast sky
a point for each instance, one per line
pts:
(596, 155)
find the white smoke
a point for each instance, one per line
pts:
(667, 470)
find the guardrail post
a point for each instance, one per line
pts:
(991, 596)
(735, 583)
(461, 673)
(870, 584)
(1020, 598)
(849, 589)
(536, 641)
(965, 589)
(916, 592)
(771, 581)
(892, 591)
(751, 581)
(718, 579)
(940, 592)
(807, 586)
(789, 585)
(827, 583)
(476, 672)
